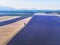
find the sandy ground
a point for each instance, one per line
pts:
(4, 18)
(7, 32)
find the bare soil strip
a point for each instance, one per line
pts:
(4, 18)
(9, 31)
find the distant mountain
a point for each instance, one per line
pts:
(6, 8)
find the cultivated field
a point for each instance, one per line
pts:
(40, 27)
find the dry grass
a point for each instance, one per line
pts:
(7, 32)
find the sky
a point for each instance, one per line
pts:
(31, 4)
